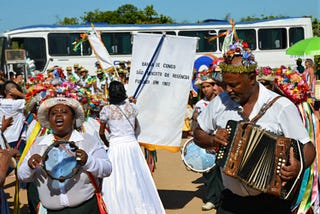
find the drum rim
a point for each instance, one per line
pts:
(187, 165)
(75, 170)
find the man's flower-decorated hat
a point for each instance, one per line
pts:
(238, 49)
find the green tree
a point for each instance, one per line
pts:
(125, 14)
(316, 27)
(262, 17)
(68, 21)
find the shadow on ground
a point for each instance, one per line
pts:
(177, 199)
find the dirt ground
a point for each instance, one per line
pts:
(180, 190)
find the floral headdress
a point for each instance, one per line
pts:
(68, 90)
(293, 85)
(239, 48)
(204, 77)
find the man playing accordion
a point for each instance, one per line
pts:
(243, 99)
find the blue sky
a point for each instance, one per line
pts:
(18, 13)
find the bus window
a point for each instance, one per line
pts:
(35, 49)
(171, 33)
(270, 39)
(203, 44)
(117, 43)
(295, 34)
(60, 44)
(248, 36)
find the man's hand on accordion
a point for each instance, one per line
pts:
(221, 137)
(290, 170)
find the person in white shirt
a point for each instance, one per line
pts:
(242, 100)
(76, 194)
(13, 106)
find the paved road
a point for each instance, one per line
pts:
(180, 190)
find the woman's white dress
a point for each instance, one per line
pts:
(130, 188)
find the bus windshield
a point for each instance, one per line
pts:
(35, 49)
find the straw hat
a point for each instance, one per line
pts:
(46, 105)
(203, 77)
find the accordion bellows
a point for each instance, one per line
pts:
(255, 156)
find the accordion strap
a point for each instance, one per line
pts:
(263, 109)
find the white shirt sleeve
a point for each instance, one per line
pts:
(98, 162)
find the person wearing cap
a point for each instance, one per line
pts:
(243, 100)
(71, 77)
(211, 85)
(97, 65)
(71, 195)
(75, 67)
(76, 72)
(86, 81)
(69, 70)
(101, 84)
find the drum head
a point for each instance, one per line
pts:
(196, 158)
(60, 160)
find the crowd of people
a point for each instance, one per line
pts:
(75, 140)
(93, 122)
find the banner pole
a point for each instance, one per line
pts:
(145, 75)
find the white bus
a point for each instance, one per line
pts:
(50, 45)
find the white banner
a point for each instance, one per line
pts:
(100, 50)
(163, 99)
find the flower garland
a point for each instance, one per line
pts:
(293, 85)
(40, 88)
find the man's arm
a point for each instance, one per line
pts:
(207, 141)
(309, 154)
(202, 138)
(102, 134)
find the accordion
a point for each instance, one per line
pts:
(255, 156)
